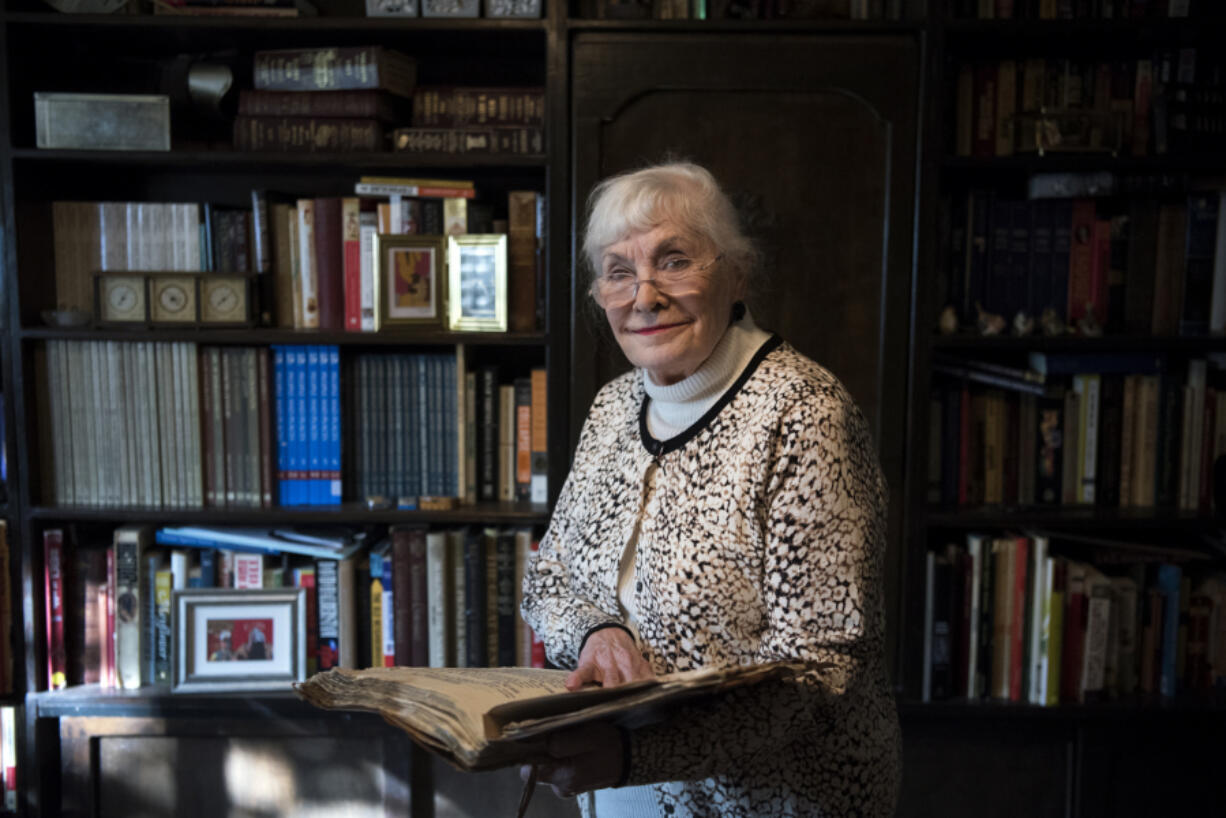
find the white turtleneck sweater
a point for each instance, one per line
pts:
(673, 409)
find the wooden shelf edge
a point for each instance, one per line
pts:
(796, 26)
(506, 513)
(246, 161)
(1068, 517)
(1080, 344)
(206, 335)
(969, 710)
(319, 23)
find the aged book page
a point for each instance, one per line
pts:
(482, 718)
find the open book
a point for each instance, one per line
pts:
(483, 718)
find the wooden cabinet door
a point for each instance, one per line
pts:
(815, 137)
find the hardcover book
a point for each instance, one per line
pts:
(482, 718)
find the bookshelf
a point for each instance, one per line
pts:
(1041, 739)
(58, 727)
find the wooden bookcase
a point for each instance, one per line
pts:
(960, 758)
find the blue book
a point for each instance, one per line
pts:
(208, 568)
(451, 452)
(281, 403)
(333, 466)
(315, 424)
(1198, 263)
(435, 423)
(421, 422)
(299, 441)
(1169, 580)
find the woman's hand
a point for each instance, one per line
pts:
(580, 759)
(609, 658)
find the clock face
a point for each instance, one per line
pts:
(223, 300)
(123, 299)
(174, 300)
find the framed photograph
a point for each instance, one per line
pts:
(477, 281)
(238, 640)
(412, 286)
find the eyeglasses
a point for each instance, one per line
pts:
(620, 286)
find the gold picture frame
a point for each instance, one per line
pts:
(477, 282)
(411, 280)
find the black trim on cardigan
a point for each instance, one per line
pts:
(656, 448)
(601, 627)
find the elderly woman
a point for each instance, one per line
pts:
(724, 507)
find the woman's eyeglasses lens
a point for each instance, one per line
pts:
(619, 287)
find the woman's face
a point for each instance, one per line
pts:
(669, 333)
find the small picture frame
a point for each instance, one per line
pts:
(477, 281)
(229, 639)
(412, 285)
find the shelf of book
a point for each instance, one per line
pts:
(260, 160)
(291, 336)
(354, 514)
(1080, 517)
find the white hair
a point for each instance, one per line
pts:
(681, 192)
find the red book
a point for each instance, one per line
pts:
(305, 578)
(1081, 258)
(1017, 621)
(351, 242)
(329, 261)
(53, 565)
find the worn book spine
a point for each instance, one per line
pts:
(265, 444)
(505, 598)
(450, 106)
(440, 631)
(322, 104)
(539, 490)
(523, 439)
(402, 589)
(482, 141)
(347, 613)
(521, 260)
(335, 69)
(487, 431)
(330, 263)
(351, 263)
(130, 545)
(207, 443)
(307, 134)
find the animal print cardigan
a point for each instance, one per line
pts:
(761, 537)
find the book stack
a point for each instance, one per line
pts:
(308, 423)
(1119, 266)
(323, 99)
(1115, 431)
(502, 120)
(1007, 619)
(122, 424)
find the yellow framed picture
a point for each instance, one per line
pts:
(477, 281)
